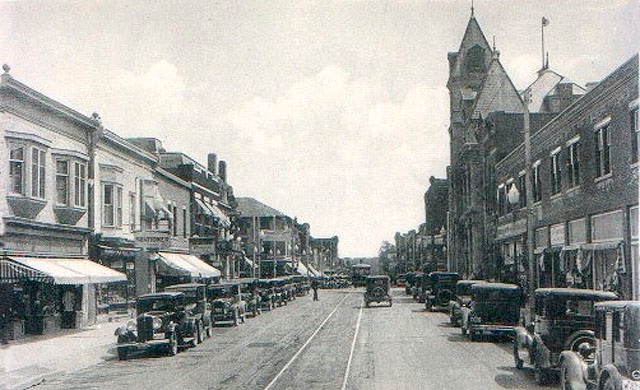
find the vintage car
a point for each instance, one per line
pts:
(401, 280)
(249, 295)
(410, 280)
(563, 319)
(224, 303)
(418, 284)
(377, 289)
(494, 310)
(440, 288)
(614, 361)
(278, 286)
(265, 291)
(302, 285)
(165, 322)
(196, 293)
(461, 299)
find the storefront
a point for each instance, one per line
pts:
(44, 295)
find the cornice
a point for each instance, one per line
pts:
(41, 123)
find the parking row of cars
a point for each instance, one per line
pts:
(184, 314)
(587, 339)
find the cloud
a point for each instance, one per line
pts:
(336, 152)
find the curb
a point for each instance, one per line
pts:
(22, 382)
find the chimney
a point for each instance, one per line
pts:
(222, 170)
(212, 161)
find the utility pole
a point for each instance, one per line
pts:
(530, 200)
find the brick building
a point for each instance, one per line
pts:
(585, 186)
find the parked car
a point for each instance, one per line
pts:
(234, 287)
(614, 361)
(377, 289)
(279, 291)
(462, 298)
(564, 319)
(267, 297)
(417, 285)
(163, 323)
(223, 304)
(410, 281)
(494, 310)
(401, 280)
(302, 285)
(439, 289)
(196, 294)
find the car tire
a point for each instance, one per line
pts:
(173, 345)
(201, 335)
(519, 363)
(541, 376)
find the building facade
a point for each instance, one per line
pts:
(585, 188)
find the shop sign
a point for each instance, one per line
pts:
(112, 253)
(202, 245)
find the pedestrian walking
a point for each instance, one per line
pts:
(314, 286)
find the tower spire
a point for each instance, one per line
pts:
(472, 9)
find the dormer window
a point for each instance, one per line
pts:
(476, 59)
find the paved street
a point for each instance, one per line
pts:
(311, 345)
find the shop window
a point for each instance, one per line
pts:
(62, 182)
(556, 174)
(607, 226)
(38, 172)
(16, 169)
(603, 151)
(573, 164)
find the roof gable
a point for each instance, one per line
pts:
(497, 92)
(250, 207)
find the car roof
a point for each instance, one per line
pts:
(574, 292)
(495, 286)
(168, 294)
(437, 273)
(617, 305)
(184, 286)
(471, 281)
(377, 277)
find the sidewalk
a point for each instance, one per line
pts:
(24, 363)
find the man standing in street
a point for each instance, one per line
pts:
(314, 286)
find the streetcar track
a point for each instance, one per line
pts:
(353, 347)
(286, 366)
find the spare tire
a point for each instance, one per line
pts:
(378, 292)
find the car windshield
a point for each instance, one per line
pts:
(160, 304)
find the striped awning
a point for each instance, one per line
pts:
(57, 271)
(185, 265)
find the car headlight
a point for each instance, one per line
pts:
(131, 326)
(157, 323)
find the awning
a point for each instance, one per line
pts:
(57, 271)
(222, 217)
(302, 269)
(154, 205)
(250, 263)
(189, 265)
(202, 208)
(313, 270)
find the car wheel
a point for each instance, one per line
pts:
(516, 356)
(123, 354)
(541, 376)
(173, 345)
(200, 332)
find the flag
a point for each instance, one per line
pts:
(545, 22)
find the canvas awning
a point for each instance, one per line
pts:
(57, 271)
(313, 270)
(222, 217)
(302, 269)
(202, 208)
(183, 264)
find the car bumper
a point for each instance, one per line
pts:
(492, 330)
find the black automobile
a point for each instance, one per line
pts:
(377, 289)
(267, 298)
(164, 322)
(439, 289)
(461, 299)
(614, 361)
(224, 306)
(410, 280)
(196, 294)
(564, 319)
(494, 310)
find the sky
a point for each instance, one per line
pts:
(332, 112)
